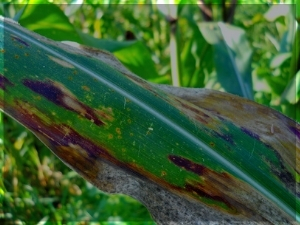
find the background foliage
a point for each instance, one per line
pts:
(257, 57)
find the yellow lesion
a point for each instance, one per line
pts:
(75, 156)
(73, 104)
(78, 149)
(163, 173)
(37, 97)
(88, 98)
(86, 88)
(66, 131)
(118, 130)
(32, 110)
(106, 113)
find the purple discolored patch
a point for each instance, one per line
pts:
(73, 137)
(296, 131)
(187, 164)
(58, 96)
(250, 133)
(207, 195)
(226, 137)
(4, 82)
(20, 41)
(47, 90)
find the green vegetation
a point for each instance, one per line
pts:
(262, 64)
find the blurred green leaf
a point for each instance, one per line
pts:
(276, 11)
(279, 59)
(72, 8)
(137, 59)
(295, 62)
(291, 93)
(168, 8)
(232, 57)
(48, 20)
(194, 55)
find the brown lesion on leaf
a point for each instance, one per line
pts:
(187, 164)
(81, 163)
(276, 131)
(79, 152)
(211, 190)
(61, 96)
(217, 186)
(106, 113)
(196, 113)
(211, 193)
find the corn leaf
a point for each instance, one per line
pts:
(216, 149)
